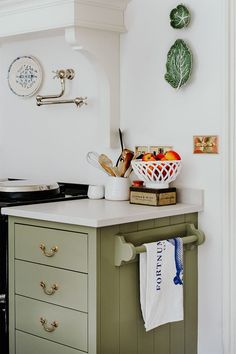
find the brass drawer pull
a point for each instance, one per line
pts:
(52, 251)
(51, 291)
(46, 327)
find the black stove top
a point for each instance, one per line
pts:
(68, 191)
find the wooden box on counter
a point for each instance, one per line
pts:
(152, 196)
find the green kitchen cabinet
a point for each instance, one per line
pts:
(66, 296)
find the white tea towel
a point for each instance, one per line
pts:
(161, 282)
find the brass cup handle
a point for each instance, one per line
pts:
(50, 291)
(50, 253)
(46, 327)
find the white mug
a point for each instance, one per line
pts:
(117, 188)
(96, 192)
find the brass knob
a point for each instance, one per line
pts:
(52, 251)
(80, 101)
(64, 74)
(46, 327)
(50, 291)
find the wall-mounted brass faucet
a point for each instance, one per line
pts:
(53, 99)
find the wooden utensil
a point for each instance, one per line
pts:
(107, 164)
(125, 161)
(116, 171)
(130, 169)
(92, 158)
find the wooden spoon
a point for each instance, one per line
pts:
(116, 171)
(107, 164)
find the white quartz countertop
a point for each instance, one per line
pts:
(99, 213)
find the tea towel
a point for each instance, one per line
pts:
(161, 282)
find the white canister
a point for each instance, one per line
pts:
(117, 188)
(96, 192)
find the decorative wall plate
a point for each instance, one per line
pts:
(25, 76)
(180, 17)
(179, 64)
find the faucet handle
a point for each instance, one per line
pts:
(80, 101)
(64, 74)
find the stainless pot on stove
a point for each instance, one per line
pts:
(25, 190)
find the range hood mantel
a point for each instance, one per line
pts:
(41, 15)
(86, 24)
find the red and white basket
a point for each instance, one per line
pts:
(157, 174)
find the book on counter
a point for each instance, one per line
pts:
(152, 196)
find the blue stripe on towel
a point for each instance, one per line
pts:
(177, 243)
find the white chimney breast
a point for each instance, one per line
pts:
(92, 27)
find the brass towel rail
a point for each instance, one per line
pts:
(126, 251)
(53, 99)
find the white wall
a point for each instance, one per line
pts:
(52, 141)
(154, 113)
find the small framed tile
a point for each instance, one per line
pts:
(159, 149)
(141, 149)
(205, 144)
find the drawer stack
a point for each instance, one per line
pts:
(66, 296)
(51, 286)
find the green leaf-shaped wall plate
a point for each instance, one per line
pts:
(179, 64)
(180, 17)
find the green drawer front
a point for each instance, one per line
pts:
(72, 325)
(72, 247)
(28, 344)
(72, 286)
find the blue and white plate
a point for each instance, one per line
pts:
(25, 76)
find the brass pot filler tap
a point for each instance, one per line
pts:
(53, 99)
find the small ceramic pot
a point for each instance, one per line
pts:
(96, 192)
(117, 188)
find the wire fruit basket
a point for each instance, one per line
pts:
(157, 174)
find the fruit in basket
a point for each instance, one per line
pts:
(162, 170)
(150, 169)
(159, 167)
(156, 174)
(148, 156)
(171, 155)
(160, 157)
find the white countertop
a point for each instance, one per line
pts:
(99, 213)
